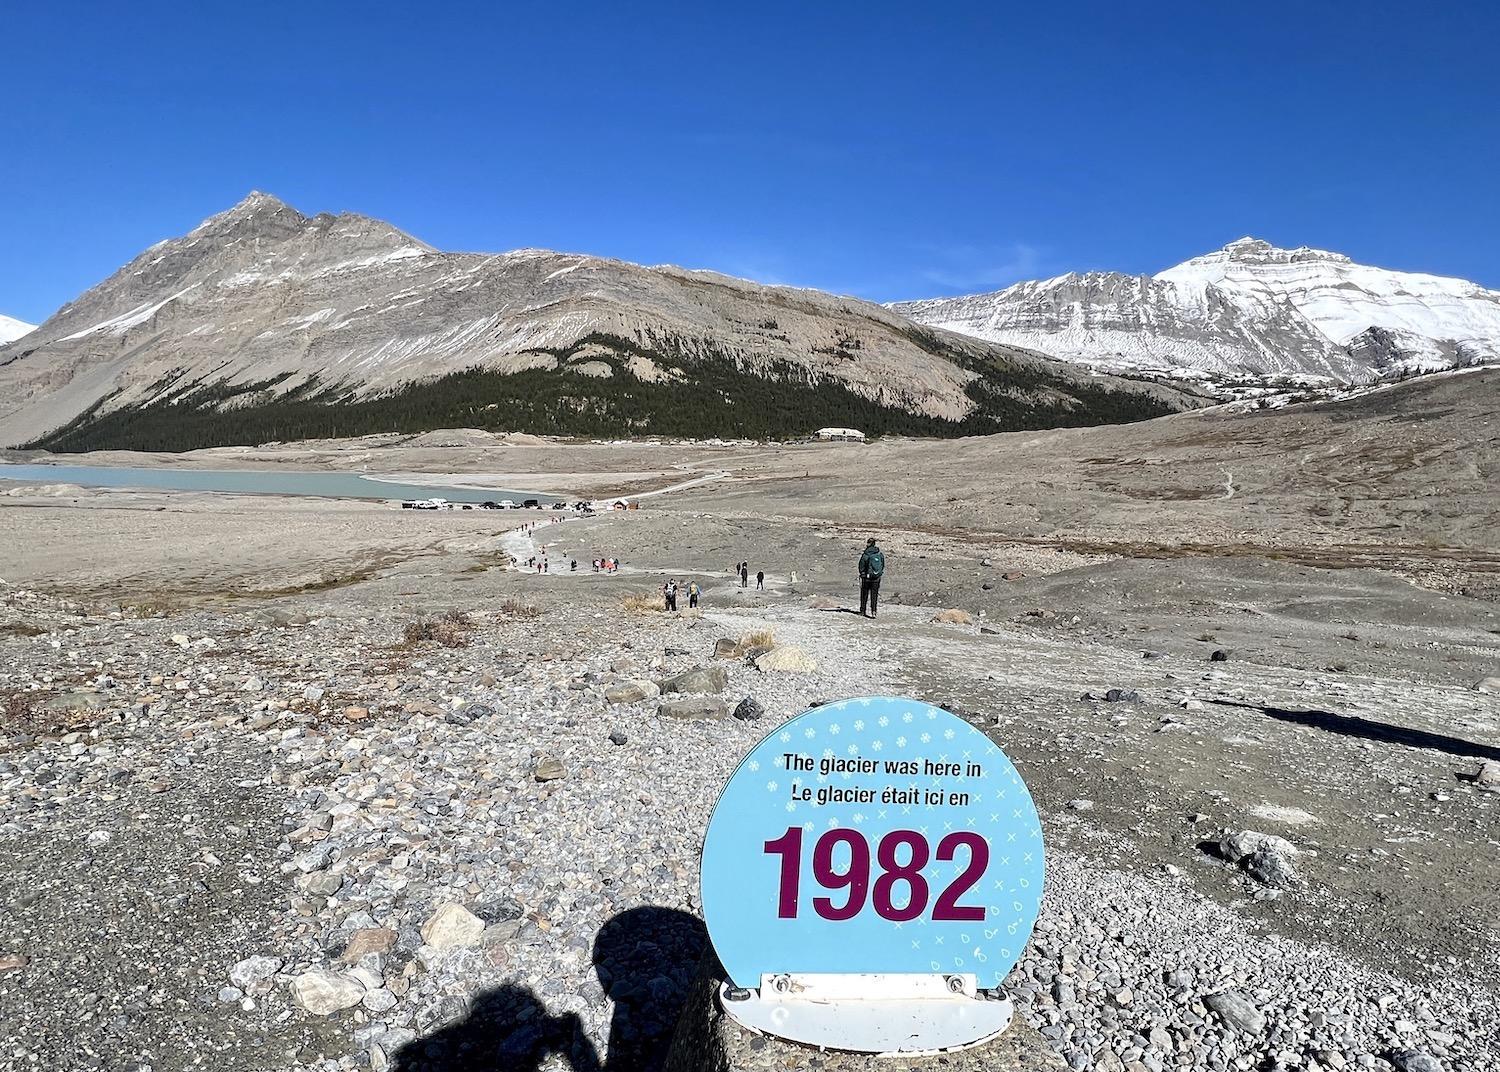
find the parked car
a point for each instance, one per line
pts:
(532, 504)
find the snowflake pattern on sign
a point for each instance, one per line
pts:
(848, 775)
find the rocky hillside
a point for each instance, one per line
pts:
(1248, 310)
(265, 324)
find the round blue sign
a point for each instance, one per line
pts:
(873, 835)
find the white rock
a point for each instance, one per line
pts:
(379, 1000)
(322, 992)
(367, 977)
(1244, 842)
(452, 926)
(251, 972)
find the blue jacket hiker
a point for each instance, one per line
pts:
(871, 569)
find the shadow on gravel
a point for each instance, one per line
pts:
(645, 959)
(1370, 730)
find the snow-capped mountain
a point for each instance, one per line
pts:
(11, 328)
(264, 322)
(1247, 310)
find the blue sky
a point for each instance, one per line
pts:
(879, 150)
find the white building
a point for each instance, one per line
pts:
(852, 435)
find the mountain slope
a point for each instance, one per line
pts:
(1249, 309)
(264, 323)
(11, 328)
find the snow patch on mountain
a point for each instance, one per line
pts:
(1249, 309)
(1343, 298)
(119, 325)
(12, 329)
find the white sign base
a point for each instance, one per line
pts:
(887, 1015)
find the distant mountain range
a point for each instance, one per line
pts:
(265, 324)
(1248, 311)
(11, 328)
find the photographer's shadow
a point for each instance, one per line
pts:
(645, 959)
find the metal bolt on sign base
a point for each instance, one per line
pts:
(888, 1015)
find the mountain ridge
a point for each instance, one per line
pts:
(261, 306)
(1249, 309)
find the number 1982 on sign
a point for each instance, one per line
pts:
(898, 860)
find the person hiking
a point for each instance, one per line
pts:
(744, 575)
(871, 569)
(669, 592)
(760, 580)
(692, 594)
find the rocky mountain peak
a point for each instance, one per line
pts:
(1248, 254)
(258, 215)
(1248, 309)
(1247, 246)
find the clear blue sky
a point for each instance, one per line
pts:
(871, 149)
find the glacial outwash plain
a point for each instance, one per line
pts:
(305, 783)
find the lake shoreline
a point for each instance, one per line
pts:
(326, 484)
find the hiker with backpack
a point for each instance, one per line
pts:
(871, 569)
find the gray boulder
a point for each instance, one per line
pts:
(1238, 1011)
(703, 679)
(631, 692)
(549, 769)
(693, 707)
(1271, 868)
(1264, 857)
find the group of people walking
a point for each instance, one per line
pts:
(669, 591)
(871, 570)
(542, 565)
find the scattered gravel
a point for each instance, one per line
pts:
(275, 845)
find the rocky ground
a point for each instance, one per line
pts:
(296, 785)
(287, 834)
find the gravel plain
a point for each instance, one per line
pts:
(233, 836)
(294, 785)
